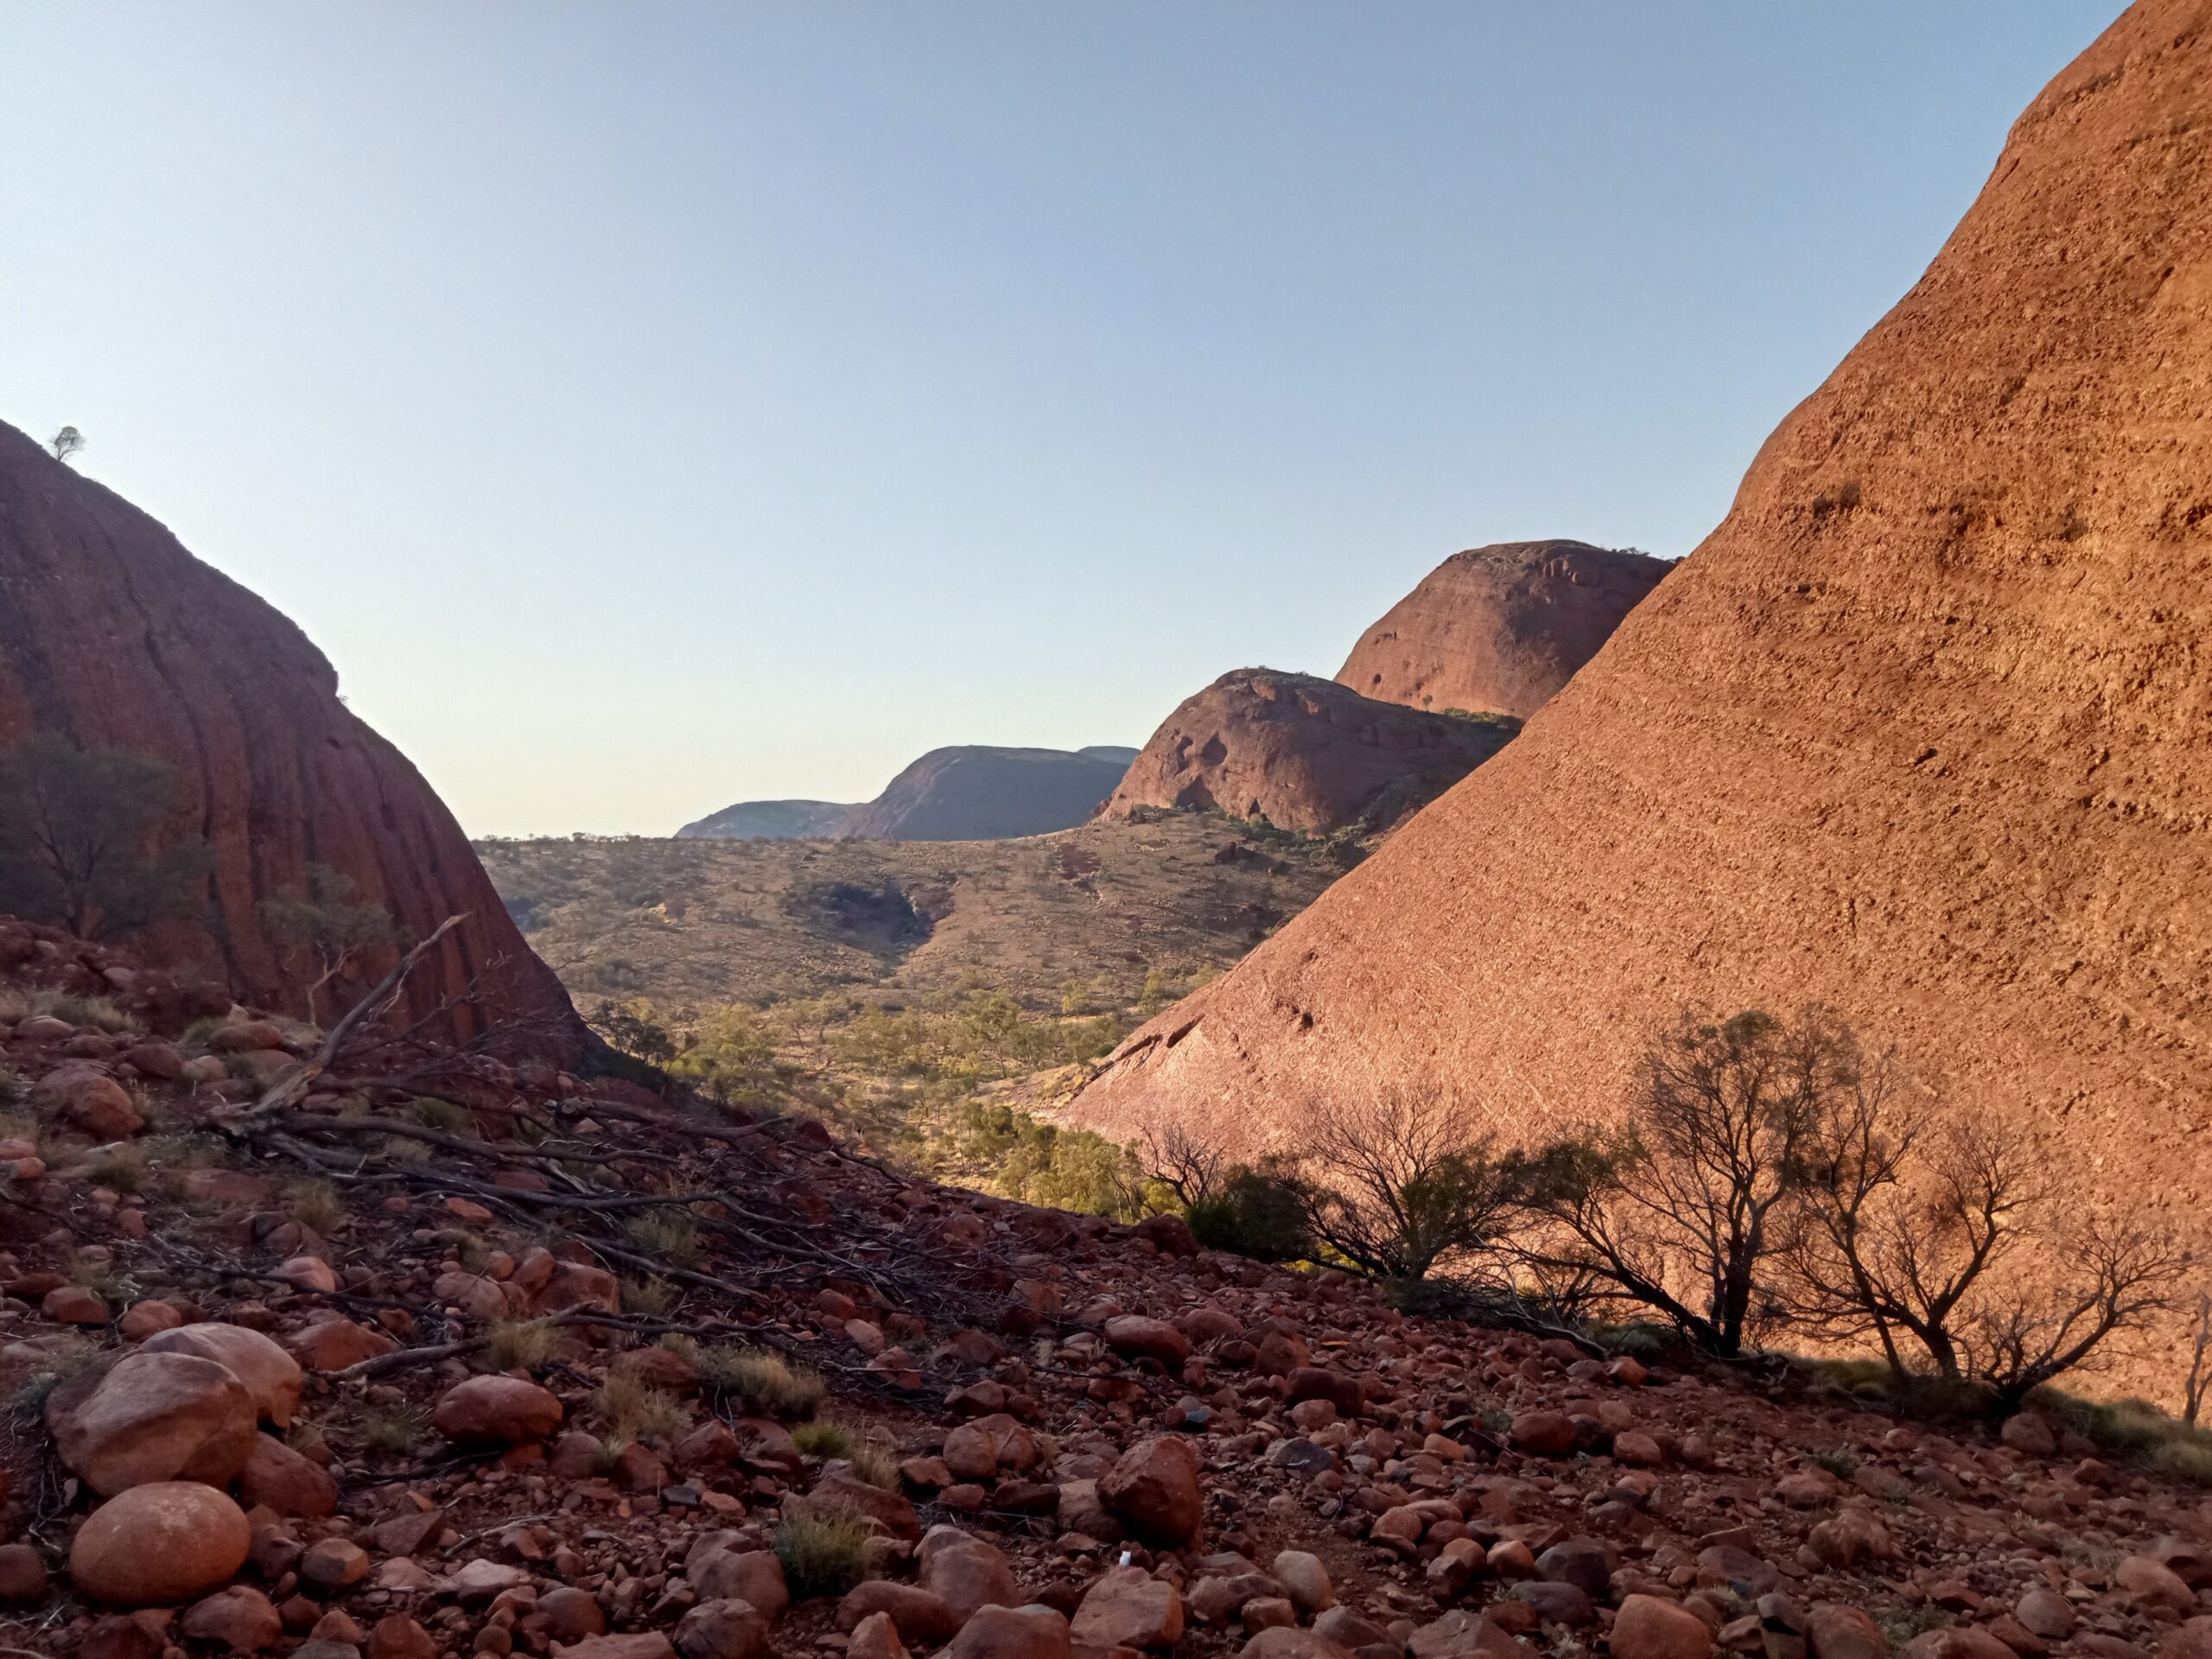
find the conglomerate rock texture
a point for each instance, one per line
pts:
(1500, 629)
(1304, 754)
(114, 635)
(1924, 730)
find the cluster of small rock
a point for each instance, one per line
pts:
(1151, 1448)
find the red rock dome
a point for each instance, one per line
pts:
(1500, 629)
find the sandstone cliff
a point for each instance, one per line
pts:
(975, 792)
(111, 634)
(1922, 730)
(1500, 629)
(1304, 754)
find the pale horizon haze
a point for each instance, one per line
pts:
(652, 408)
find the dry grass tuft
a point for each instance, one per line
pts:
(522, 1344)
(672, 1235)
(762, 1383)
(314, 1204)
(630, 1409)
(824, 1549)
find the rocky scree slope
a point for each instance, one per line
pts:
(975, 792)
(1919, 732)
(483, 1402)
(1500, 629)
(1303, 753)
(115, 636)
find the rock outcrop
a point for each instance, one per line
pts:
(1921, 731)
(1500, 629)
(1304, 754)
(974, 792)
(113, 635)
(770, 821)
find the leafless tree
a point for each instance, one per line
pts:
(67, 443)
(1187, 1167)
(1934, 1229)
(2113, 1273)
(1686, 1209)
(1397, 1185)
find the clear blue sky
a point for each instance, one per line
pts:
(648, 407)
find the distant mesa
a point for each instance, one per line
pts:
(978, 794)
(770, 821)
(115, 638)
(968, 792)
(1500, 629)
(1304, 754)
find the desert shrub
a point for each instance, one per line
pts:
(76, 833)
(126, 1166)
(760, 1383)
(629, 1407)
(824, 1549)
(325, 929)
(1041, 1163)
(876, 1464)
(391, 1431)
(2187, 1460)
(1253, 1215)
(1839, 1460)
(97, 1272)
(670, 1234)
(648, 1298)
(522, 1344)
(446, 1117)
(315, 1205)
(27, 1001)
(823, 1437)
(58, 1359)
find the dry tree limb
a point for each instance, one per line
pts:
(291, 1087)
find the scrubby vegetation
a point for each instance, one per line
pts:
(1770, 1186)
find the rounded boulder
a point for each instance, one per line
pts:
(152, 1417)
(496, 1411)
(271, 1375)
(158, 1544)
(1649, 1628)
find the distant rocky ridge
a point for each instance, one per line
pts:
(975, 792)
(966, 792)
(770, 821)
(115, 636)
(1303, 753)
(1500, 629)
(1919, 732)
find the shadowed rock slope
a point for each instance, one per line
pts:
(975, 792)
(1922, 730)
(111, 634)
(1500, 629)
(1304, 754)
